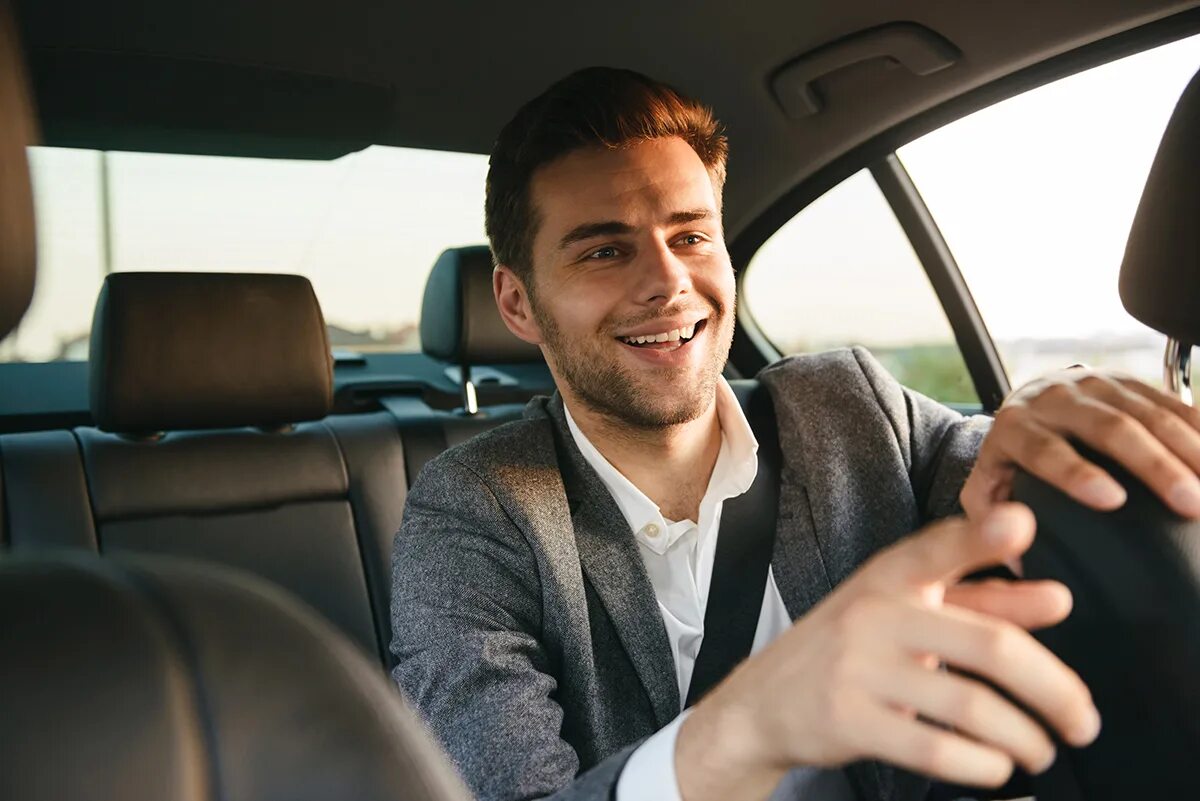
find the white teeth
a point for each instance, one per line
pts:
(687, 332)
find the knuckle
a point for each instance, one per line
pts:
(1163, 421)
(1095, 384)
(1080, 471)
(1058, 392)
(1043, 453)
(999, 644)
(970, 709)
(1161, 465)
(1114, 426)
(1010, 415)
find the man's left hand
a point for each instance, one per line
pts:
(1152, 434)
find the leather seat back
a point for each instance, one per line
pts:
(273, 491)
(168, 680)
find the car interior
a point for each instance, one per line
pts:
(196, 523)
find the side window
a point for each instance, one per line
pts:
(1035, 197)
(842, 272)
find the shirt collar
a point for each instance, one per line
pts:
(734, 472)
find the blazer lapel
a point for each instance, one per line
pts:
(611, 562)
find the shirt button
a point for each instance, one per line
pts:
(651, 530)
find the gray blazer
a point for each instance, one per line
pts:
(525, 624)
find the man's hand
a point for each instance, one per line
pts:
(1152, 434)
(858, 677)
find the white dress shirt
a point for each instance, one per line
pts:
(679, 560)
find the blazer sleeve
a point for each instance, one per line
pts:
(466, 618)
(938, 443)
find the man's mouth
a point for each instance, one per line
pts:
(671, 339)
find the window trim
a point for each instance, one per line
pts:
(751, 351)
(974, 342)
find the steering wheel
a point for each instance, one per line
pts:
(1133, 636)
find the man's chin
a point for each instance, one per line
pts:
(662, 404)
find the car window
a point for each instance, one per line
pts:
(365, 229)
(1035, 197)
(843, 272)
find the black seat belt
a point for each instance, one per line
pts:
(745, 541)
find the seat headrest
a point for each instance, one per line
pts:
(173, 351)
(17, 131)
(459, 318)
(200, 683)
(1160, 275)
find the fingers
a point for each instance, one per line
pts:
(990, 483)
(1031, 605)
(950, 549)
(971, 708)
(922, 748)
(1008, 657)
(1020, 438)
(1123, 424)
(1189, 414)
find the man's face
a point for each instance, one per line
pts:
(633, 291)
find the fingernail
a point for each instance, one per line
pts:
(1185, 497)
(1087, 731)
(1045, 766)
(1104, 493)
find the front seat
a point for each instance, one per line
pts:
(168, 680)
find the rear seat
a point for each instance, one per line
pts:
(251, 471)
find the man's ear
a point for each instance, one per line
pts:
(513, 301)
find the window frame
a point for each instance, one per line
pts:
(752, 350)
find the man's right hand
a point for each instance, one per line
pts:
(859, 677)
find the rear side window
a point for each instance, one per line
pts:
(843, 272)
(365, 229)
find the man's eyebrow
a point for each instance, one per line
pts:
(594, 229)
(616, 228)
(691, 215)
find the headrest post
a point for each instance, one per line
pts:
(469, 398)
(1177, 370)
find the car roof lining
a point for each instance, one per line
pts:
(303, 79)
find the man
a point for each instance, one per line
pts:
(551, 577)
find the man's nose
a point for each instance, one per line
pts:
(663, 275)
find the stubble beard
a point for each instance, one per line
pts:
(599, 380)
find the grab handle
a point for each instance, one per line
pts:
(913, 46)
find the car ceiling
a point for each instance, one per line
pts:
(131, 74)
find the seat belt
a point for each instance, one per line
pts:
(745, 541)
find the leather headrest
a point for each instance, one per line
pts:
(459, 318)
(18, 255)
(175, 681)
(1160, 275)
(174, 351)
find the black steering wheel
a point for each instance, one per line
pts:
(1133, 636)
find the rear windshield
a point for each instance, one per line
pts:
(365, 229)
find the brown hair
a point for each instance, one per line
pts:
(594, 107)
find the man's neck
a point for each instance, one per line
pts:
(671, 466)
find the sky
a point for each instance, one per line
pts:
(1034, 196)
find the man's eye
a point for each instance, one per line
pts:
(691, 239)
(603, 253)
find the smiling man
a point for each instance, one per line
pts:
(552, 578)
